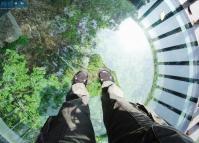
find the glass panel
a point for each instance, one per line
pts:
(149, 45)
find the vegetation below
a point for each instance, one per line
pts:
(36, 70)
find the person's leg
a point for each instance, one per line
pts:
(128, 122)
(123, 120)
(73, 123)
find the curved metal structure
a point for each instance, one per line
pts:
(172, 29)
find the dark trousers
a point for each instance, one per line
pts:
(125, 123)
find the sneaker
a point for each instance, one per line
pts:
(81, 77)
(105, 75)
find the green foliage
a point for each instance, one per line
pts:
(20, 90)
(94, 88)
(100, 139)
(117, 10)
(95, 64)
(22, 41)
(81, 21)
(53, 95)
(60, 2)
(86, 17)
(23, 94)
(26, 96)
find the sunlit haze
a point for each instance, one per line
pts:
(127, 51)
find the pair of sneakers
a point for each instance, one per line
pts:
(82, 77)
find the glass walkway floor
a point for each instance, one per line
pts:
(155, 56)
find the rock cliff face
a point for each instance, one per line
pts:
(9, 29)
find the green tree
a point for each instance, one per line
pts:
(25, 96)
(20, 91)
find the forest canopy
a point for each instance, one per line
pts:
(57, 40)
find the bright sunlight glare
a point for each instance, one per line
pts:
(127, 52)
